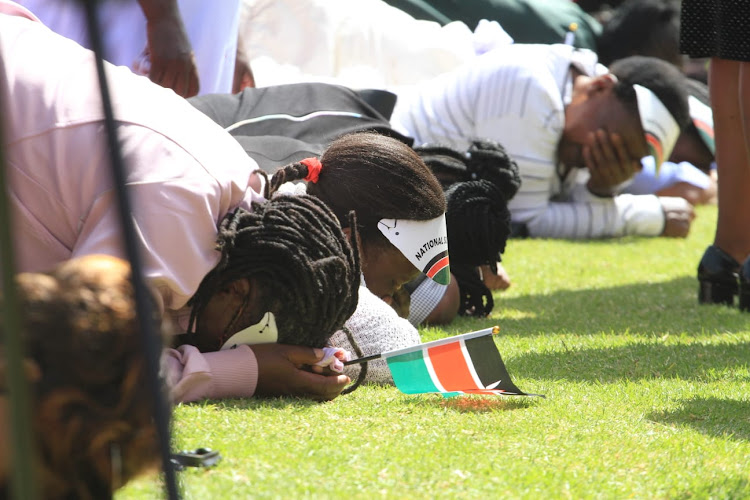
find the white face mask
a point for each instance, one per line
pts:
(263, 332)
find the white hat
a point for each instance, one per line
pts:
(660, 127)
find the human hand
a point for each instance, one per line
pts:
(284, 370)
(171, 55)
(609, 162)
(495, 281)
(678, 215)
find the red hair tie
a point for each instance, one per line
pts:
(313, 169)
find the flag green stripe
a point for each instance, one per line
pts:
(410, 373)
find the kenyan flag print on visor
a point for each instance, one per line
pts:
(423, 242)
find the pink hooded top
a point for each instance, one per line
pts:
(184, 173)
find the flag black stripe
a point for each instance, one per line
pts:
(433, 260)
(489, 364)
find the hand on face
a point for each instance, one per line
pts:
(283, 370)
(609, 162)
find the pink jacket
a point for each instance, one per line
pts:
(184, 174)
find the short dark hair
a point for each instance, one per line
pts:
(375, 176)
(662, 78)
(642, 27)
(294, 247)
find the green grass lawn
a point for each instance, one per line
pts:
(647, 396)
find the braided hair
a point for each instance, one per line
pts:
(89, 402)
(484, 159)
(479, 184)
(375, 176)
(302, 261)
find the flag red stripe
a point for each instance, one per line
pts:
(437, 267)
(450, 367)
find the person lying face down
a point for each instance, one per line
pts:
(577, 131)
(191, 185)
(88, 385)
(400, 215)
(398, 203)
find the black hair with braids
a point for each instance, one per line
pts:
(375, 176)
(485, 159)
(305, 266)
(479, 184)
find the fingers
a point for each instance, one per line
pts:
(299, 355)
(320, 387)
(179, 75)
(605, 156)
(608, 160)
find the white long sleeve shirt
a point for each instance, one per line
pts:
(516, 95)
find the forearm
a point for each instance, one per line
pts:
(192, 375)
(604, 218)
(154, 10)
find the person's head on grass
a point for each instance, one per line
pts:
(92, 415)
(287, 264)
(642, 99)
(393, 194)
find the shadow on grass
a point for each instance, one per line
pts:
(728, 418)
(664, 307)
(645, 360)
(257, 402)
(473, 404)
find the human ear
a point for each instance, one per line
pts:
(603, 82)
(242, 288)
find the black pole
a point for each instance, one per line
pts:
(22, 483)
(144, 309)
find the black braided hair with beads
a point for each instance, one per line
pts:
(478, 223)
(484, 159)
(303, 262)
(479, 184)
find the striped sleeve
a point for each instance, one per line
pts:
(600, 218)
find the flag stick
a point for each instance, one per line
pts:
(492, 330)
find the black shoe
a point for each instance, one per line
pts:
(745, 286)
(717, 277)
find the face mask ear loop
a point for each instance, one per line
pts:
(229, 330)
(363, 366)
